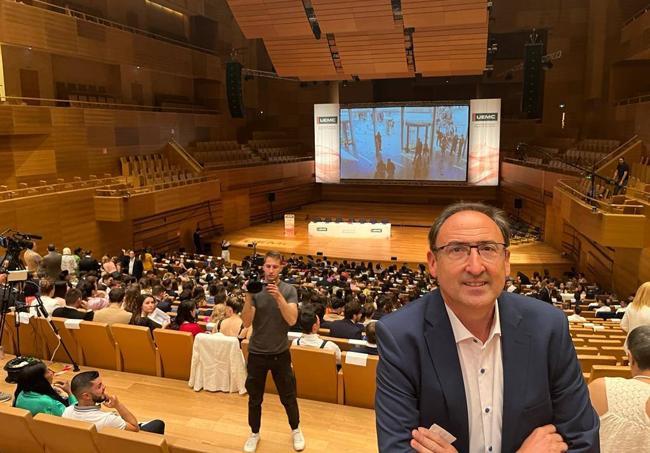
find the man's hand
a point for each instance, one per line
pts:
(425, 441)
(274, 291)
(544, 439)
(63, 385)
(111, 401)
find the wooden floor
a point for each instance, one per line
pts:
(408, 243)
(221, 419)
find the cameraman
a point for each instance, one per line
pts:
(271, 312)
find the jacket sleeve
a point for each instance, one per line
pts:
(396, 402)
(573, 415)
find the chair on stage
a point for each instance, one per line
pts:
(58, 434)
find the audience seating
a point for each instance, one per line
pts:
(51, 342)
(359, 382)
(269, 386)
(588, 360)
(97, 346)
(316, 375)
(16, 431)
(30, 341)
(111, 439)
(599, 371)
(68, 339)
(138, 351)
(61, 435)
(175, 350)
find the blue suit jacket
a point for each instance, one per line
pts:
(419, 379)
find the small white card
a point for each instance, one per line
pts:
(356, 358)
(23, 317)
(294, 335)
(446, 436)
(72, 324)
(357, 342)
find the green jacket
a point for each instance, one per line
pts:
(37, 403)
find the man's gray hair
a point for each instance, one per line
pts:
(497, 216)
(638, 343)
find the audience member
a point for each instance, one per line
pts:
(145, 306)
(91, 393)
(88, 263)
(108, 265)
(31, 259)
(232, 325)
(36, 390)
(371, 341)
(309, 324)
(114, 313)
(638, 312)
(93, 299)
(50, 303)
(575, 317)
(73, 307)
(134, 266)
(348, 327)
(51, 263)
(624, 404)
(68, 262)
(185, 320)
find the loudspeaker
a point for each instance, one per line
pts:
(270, 196)
(519, 203)
(234, 89)
(531, 102)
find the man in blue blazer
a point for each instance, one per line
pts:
(497, 371)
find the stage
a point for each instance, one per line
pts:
(407, 243)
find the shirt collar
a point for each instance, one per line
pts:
(460, 331)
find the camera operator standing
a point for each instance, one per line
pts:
(271, 310)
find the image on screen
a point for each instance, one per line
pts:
(427, 143)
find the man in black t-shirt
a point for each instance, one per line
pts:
(73, 302)
(621, 175)
(271, 312)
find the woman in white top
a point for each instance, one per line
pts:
(624, 404)
(638, 312)
(69, 263)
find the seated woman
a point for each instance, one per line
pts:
(185, 320)
(624, 404)
(36, 390)
(231, 324)
(144, 306)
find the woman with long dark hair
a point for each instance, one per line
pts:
(145, 305)
(185, 320)
(36, 390)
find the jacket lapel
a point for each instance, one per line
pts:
(444, 356)
(515, 348)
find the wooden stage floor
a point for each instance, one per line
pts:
(407, 243)
(220, 419)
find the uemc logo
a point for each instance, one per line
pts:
(486, 116)
(328, 119)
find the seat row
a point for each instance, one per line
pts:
(20, 432)
(168, 354)
(217, 145)
(598, 145)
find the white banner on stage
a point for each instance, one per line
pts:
(484, 142)
(326, 143)
(354, 230)
(289, 224)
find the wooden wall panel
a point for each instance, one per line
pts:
(236, 209)
(38, 28)
(35, 163)
(437, 195)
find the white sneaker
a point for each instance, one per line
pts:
(298, 440)
(251, 443)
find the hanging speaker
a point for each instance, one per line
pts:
(532, 93)
(234, 89)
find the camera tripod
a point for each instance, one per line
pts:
(12, 294)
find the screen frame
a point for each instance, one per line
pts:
(408, 182)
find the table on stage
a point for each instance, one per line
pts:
(352, 230)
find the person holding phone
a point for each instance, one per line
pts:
(271, 312)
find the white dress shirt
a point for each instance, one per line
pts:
(131, 263)
(312, 340)
(482, 369)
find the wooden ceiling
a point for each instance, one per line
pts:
(449, 37)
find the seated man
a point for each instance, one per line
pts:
(90, 392)
(575, 317)
(114, 314)
(72, 309)
(371, 339)
(309, 323)
(348, 327)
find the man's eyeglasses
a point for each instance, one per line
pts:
(459, 251)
